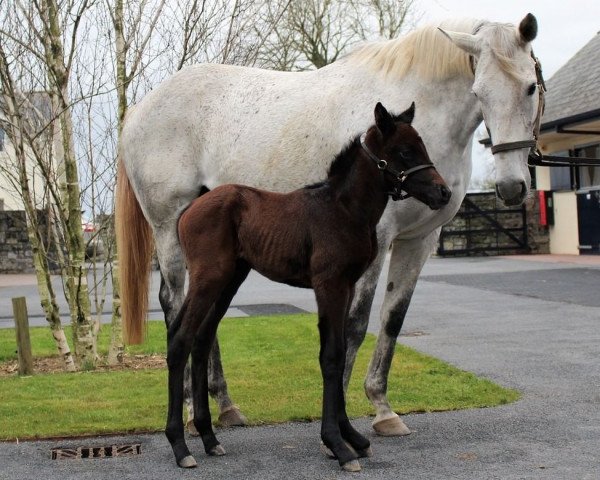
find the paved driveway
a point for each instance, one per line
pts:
(530, 325)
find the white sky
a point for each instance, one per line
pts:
(564, 26)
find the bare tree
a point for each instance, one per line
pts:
(26, 125)
(40, 28)
(315, 33)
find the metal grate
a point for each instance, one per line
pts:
(96, 452)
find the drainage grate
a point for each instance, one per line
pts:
(96, 452)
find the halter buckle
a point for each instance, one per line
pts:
(381, 164)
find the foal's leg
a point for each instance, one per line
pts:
(408, 258)
(180, 337)
(172, 284)
(332, 300)
(206, 337)
(356, 440)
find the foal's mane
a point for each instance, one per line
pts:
(429, 54)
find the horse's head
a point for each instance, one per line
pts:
(401, 154)
(507, 87)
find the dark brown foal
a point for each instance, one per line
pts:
(322, 237)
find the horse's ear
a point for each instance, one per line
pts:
(465, 41)
(528, 28)
(383, 120)
(408, 115)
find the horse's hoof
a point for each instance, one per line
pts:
(191, 428)
(390, 427)
(187, 462)
(351, 466)
(217, 451)
(365, 452)
(232, 417)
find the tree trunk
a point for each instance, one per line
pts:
(79, 300)
(40, 258)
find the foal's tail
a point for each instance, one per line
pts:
(134, 249)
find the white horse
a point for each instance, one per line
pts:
(210, 125)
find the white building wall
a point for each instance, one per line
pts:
(564, 234)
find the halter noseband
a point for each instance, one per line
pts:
(383, 165)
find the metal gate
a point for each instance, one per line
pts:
(483, 226)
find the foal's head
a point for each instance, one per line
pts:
(403, 157)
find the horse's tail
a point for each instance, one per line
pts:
(134, 249)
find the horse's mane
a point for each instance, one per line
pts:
(340, 165)
(429, 54)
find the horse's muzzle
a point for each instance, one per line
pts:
(440, 197)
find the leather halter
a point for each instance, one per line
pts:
(531, 144)
(401, 177)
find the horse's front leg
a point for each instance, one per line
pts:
(332, 300)
(360, 307)
(407, 260)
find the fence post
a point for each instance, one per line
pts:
(23, 341)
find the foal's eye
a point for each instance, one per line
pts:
(531, 89)
(404, 154)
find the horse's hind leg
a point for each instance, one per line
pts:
(408, 258)
(200, 355)
(229, 414)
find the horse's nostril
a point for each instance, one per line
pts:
(446, 193)
(523, 189)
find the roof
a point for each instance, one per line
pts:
(574, 90)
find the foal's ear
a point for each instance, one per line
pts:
(408, 115)
(383, 120)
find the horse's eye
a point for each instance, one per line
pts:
(531, 89)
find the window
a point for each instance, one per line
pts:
(589, 176)
(561, 178)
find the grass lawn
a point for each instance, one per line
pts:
(272, 369)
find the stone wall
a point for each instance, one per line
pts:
(471, 233)
(15, 251)
(16, 255)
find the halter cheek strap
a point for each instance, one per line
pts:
(382, 165)
(529, 144)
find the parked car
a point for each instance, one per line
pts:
(94, 247)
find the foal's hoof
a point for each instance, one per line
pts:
(392, 426)
(191, 428)
(187, 462)
(232, 417)
(325, 450)
(364, 453)
(217, 451)
(351, 466)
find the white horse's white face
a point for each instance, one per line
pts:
(508, 97)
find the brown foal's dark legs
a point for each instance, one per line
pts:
(205, 338)
(180, 337)
(349, 433)
(332, 300)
